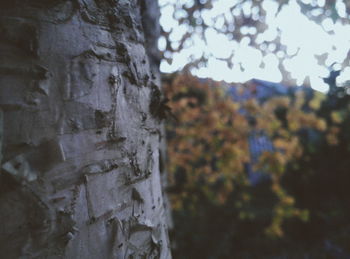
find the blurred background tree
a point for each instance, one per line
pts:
(300, 208)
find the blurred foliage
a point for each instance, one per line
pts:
(208, 156)
(243, 19)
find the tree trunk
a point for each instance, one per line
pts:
(80, 131)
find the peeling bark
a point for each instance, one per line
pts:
(80, 161)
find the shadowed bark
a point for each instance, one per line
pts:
(80, 174)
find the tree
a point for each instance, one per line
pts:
(81, 150)
(298, 139)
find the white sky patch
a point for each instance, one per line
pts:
(301, 33)
(213, 38)
(341, 8)
(302, 37)
(178, 32)
(161, 43)
(166, 19)
(221, 6)
(271, 8)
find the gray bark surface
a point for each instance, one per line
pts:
(79, 131)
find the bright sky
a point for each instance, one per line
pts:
(301, 36)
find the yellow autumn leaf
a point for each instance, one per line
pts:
(336, 117)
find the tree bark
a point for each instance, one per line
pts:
(80, 131)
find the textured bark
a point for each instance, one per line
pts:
(80, 136)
